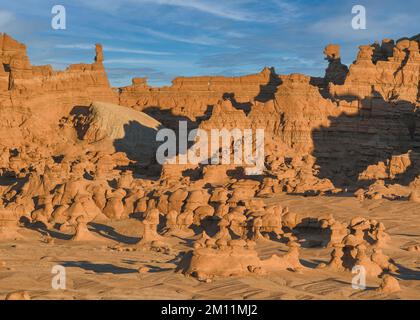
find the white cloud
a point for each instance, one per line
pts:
(260, 11)
(149, 62)
(130, 61)
(213, 8)
(6, 18)
(221, 10)
(202, 40)
(79, 46)
(82, 46)
(233, 10)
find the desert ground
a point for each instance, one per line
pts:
(95, 271)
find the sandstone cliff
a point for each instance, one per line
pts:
(348, 126)
(34, 98)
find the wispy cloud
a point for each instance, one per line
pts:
(78, 46)
(160, 64)
(278, 10)
(253, 58)
(131, 61)
(6, 18)
(201, 40)
(234, 10)
(219, 9)
(82, 46)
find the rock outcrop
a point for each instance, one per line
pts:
(192, 98)
(34, 98)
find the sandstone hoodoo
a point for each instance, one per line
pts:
(338, 188)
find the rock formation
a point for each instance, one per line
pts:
(336, 72)
(9, 225)
(30, 92)
(389, 285)
(18, 295)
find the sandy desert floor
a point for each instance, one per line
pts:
(99, 271)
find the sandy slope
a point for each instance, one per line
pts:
(96, 272)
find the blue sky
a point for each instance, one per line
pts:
(162, 39)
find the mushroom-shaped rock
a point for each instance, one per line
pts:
(18, 295)
(389, 285)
